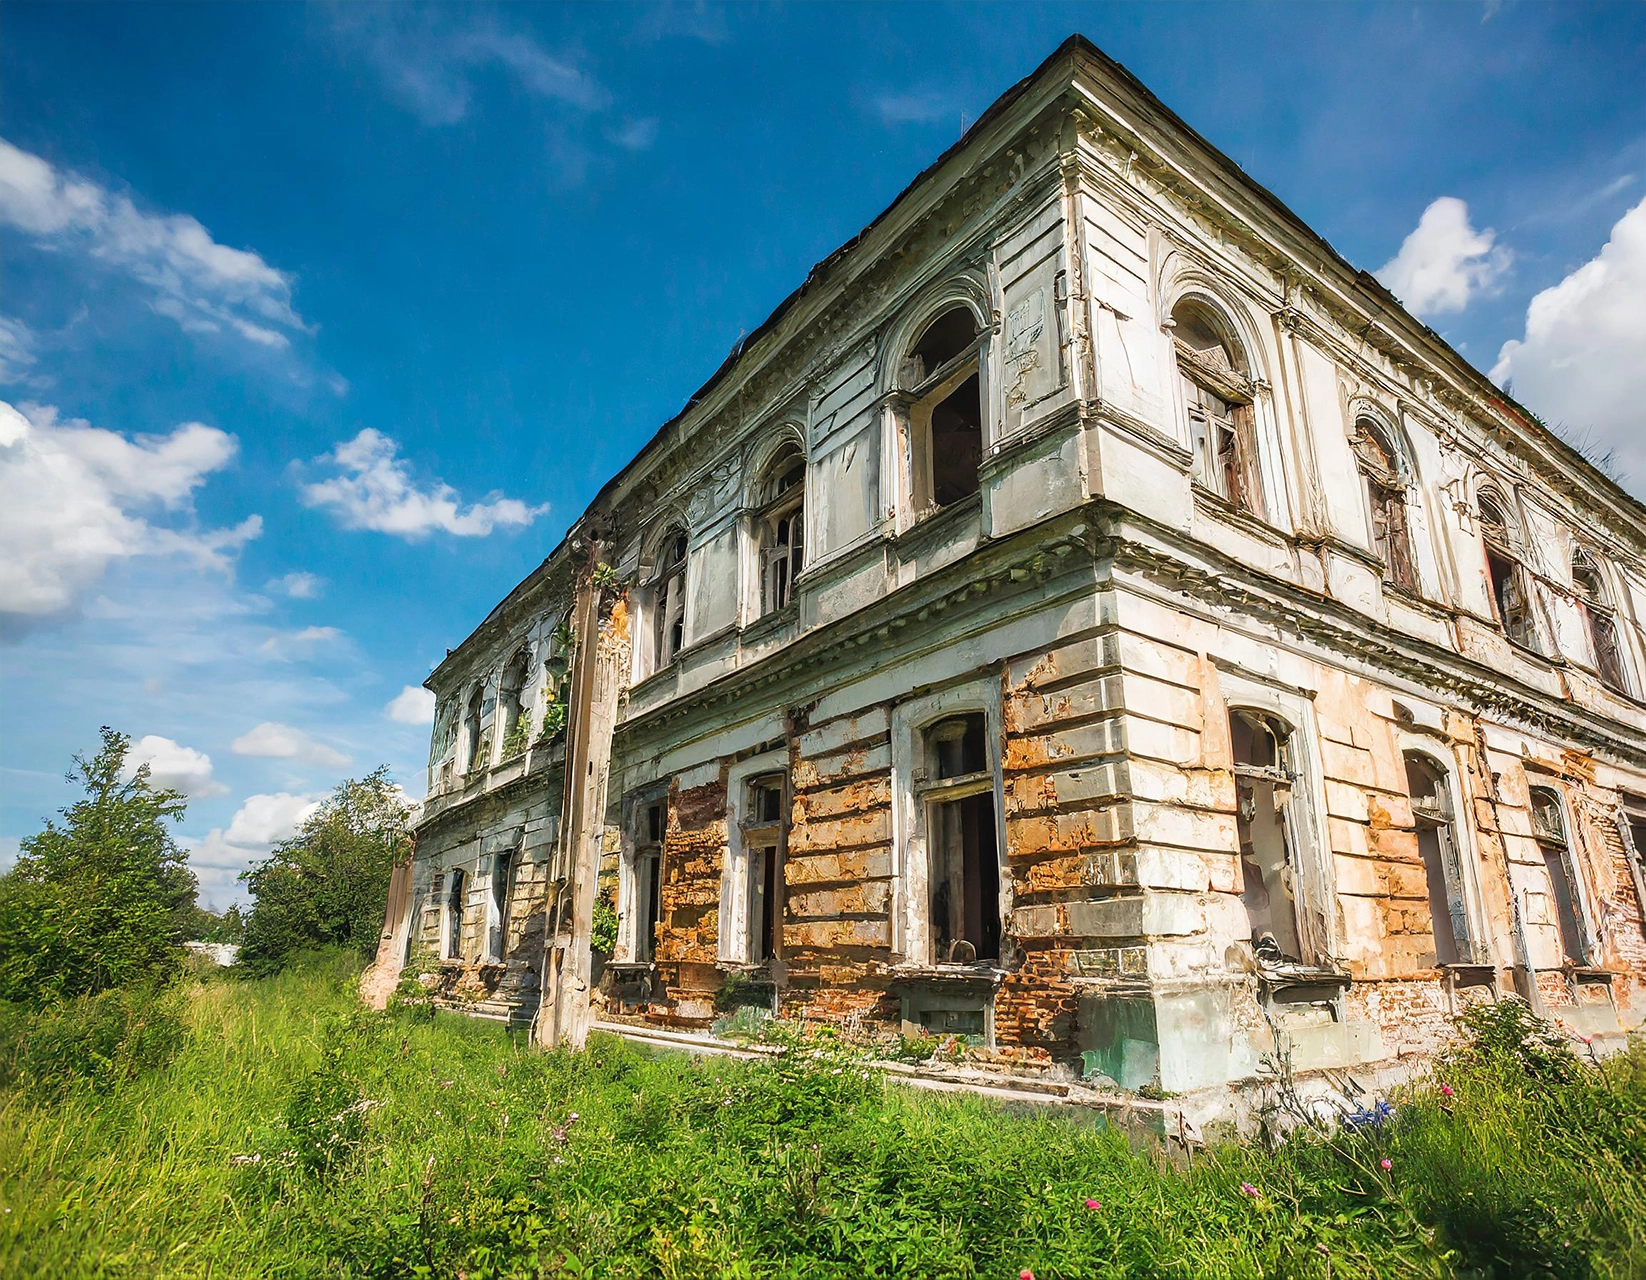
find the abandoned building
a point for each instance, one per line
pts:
(1089, 618)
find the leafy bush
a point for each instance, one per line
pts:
(326, 1114)
(1506, 1034)
(103, 901)
(328, 885)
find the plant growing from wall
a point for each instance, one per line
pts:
(520, 737)
(603, 933)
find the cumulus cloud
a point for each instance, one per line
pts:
(258, 825)
(1444, 261)
(1582, 361)
(205, 286)
(429, 63)
(412, 705)
(375, 490)
(74, 497)
(282, 742)
(299, 585)
(173, 766)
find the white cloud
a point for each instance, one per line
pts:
(428, 64)
(412, 705)
(218, 858)
(265, 819)
(74, 497)
(286, 645)
(299, 585)
(1582, 361)
(174, 766)
(280, 741)
(376, 491)
(17, 350)
(1444, 261)
(635, 135)
(915, 106)
(205, 286)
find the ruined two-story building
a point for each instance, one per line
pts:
(1088, 618)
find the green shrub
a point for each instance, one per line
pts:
(101, 1041)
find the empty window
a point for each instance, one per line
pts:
(648, 877)
(1595, 605)
(762, 844)
(1381, 471)
(454, 917)
(964, 865)
(1510, 597)
(781, 525)
(1437, 844)
(516, 727)
(1549, 826)
(471, 730)
(502, 888)
(669, 600)
(1262, 750)
(1218, 395)
(942, 373)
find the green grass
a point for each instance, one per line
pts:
(394, 1145)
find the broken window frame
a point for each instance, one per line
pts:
(453, 906)
(1220, 407)
(927, 391)
(1288, 881)
(669, 598)
(471, 730)
(1599, 621)
(511, 694)
(1383, 476)
(501, 885)
(941, 798)
(645, 879)
(763, 835)
(1507, 581)
(1631, 827)
(1439, 818)
(781, 529)
(1551, 829)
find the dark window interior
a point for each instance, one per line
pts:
(454, 917)
(965, 877)
(957, 443)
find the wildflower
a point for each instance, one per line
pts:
(1250, 1190)
(1447, 1092)
(1025, 1274)
(1093, 1204)
(573, 1118)
(1385, 1164)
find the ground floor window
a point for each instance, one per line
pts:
(647, 902)
(963, 862)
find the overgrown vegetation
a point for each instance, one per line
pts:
(328, 885)
(294, 1135)
(103, 900)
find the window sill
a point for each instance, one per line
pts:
(1215, 504)
(981, 974)
(769, 624)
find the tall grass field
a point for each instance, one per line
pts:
(230, 1128)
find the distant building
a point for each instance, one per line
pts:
(1090, 618)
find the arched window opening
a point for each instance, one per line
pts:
(1511, 597)
(454, 917)
(1549, 828)
(516, 726)
(669, 600)
(1218, 393)
(502, 891)
(646, 898)
(1262, 756)
(1380, 469)
(781, 524)
(963, 873)
(943, 374)
(471, 731)
(557, 665)
(1431, 797)
(1595, 605)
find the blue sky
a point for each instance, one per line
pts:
(319, 324)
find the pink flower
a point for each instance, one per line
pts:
(1025, 1274)
(1446, 1091)
(1385, 1164)
(1249, 1189)
(1093, 1204)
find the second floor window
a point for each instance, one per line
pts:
(1218, 397)
(942, 374)
(1595, 605)
(669, 601)
(1382, 474)
(471, 732)
(1511, 597)
(781, 525)
(511, 700)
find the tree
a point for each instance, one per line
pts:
(328, 884)
(104, 900)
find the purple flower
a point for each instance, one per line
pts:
(1250, 1190)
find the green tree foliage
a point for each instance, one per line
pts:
(327, 886)
(106, 899)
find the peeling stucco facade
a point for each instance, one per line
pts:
(1249, 680)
